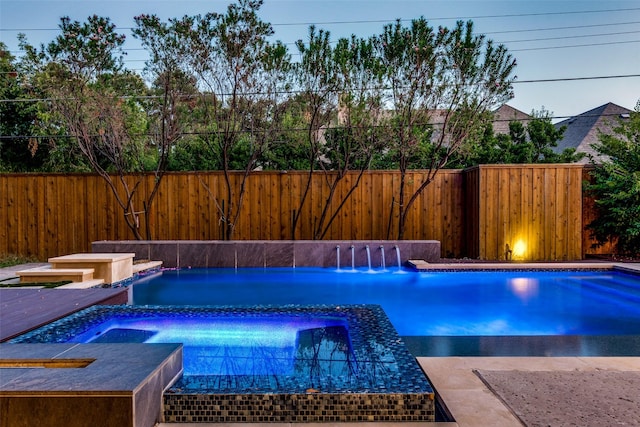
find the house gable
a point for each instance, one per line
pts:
(505, 114)
(584, 129)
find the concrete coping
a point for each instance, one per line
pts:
(421, 265)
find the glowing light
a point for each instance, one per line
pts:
(229, 345)
(229, 334)
(237, 332)
(519, 249)
(524, 287)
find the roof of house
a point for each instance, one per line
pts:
(583, 130)
(505, 114)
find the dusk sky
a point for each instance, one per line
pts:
(559, 39)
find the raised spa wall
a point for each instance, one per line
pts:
(281, 253)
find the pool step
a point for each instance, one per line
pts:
(112, 267)
(146, 266)
(44, 274)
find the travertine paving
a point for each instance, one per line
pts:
(473, 404)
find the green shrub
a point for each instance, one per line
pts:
(9, 260)
(615, 186)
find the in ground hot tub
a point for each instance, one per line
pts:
(269, 364)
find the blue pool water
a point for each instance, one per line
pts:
(237, 345)
(522, 303)
(258, 349)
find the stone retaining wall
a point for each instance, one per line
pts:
(275, 253)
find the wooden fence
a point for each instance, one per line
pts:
(525, 212)
(474, 213)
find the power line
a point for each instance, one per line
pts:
(294, 54)
(485, 33)
(444, 18)
(573, 27)
(378, 21)
(574, 45)
(504, 42)
(293, 92)
(570, 79)
(140, 49)
(302, 129)
(568, 37)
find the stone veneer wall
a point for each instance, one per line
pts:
(299, 408)
(273, 253)
(385, 385)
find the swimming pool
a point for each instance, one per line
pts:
(503, 303)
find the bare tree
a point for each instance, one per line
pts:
(341, 87)
(90, 95)
(173, 88)
(441, 83)
(240, 75)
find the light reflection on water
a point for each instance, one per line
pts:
(239, 345)
(425, 304)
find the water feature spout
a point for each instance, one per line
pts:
(398, 256)
(338, 257)
(382, 257)
(353, 258)
(368, 256)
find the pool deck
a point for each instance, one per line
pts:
(469, 399)
(472, 403)
(25, 309)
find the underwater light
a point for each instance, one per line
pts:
(238, 334)
(279, 332)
